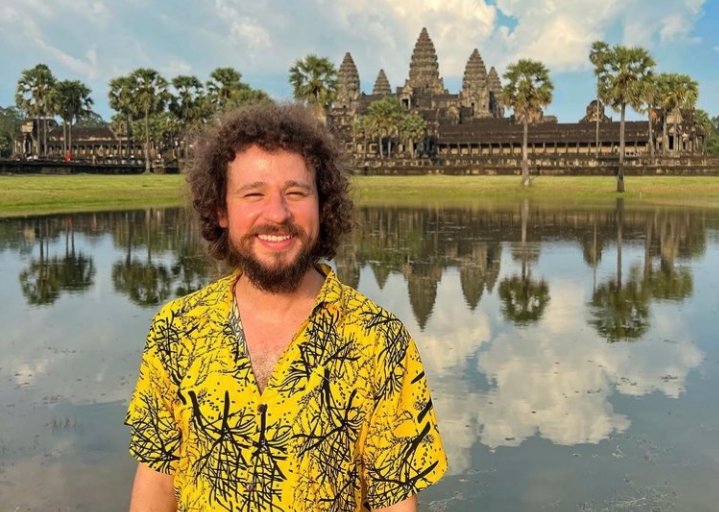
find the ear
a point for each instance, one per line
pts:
(222, 219)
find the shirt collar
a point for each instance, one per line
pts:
(330, 295)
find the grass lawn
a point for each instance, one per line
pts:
(35, 194)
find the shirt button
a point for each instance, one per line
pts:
(262, 408)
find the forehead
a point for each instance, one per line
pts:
(258, 163)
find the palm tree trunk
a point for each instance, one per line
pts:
(64, 137)
(44, 135)
(676, 132)
(651, 137)
(664, 134)
(147, 141)
(525, 158)
(596, 140)
(69, 138)
(127, 143)
(620, 236)
(620, 171)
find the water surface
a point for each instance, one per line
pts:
(572, 352)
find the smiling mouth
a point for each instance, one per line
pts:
(274, 238)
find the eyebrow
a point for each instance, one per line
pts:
(288, 184)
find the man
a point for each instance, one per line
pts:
(278, 388)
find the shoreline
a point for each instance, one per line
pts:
(48, 194)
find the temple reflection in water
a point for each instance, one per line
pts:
(571, 350)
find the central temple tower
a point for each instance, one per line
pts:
(424, 68)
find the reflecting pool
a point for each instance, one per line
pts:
(572, 351)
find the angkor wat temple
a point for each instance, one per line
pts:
(471, 124)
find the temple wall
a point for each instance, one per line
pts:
(579, 165)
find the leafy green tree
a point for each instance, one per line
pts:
(10, 121)
(149, 95)
(71, 101)
(597, 54)
(528, 90)
(622, 78)
(314, 82)
(33, 96)
(703, 122)
(90, 119)
(121, 101)
(713, 142)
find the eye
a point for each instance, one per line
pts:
(252, 196)
(296, 194)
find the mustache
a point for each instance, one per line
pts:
(274, 229)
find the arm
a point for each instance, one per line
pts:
(408, 505)
(152, 491)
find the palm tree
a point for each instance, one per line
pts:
(385, 116)
(314, 82)
(651, 97)
(34, 91)
(625, 70)
(665, 101)
(684, 93)
(188, 105)
(118, 126)
(596, 56)
(121, 101)
(413, 127)
(528, 91)
(361, 130)
(224, 89)
(149, 94)
(71, 100)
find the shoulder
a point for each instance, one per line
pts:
(198, 313)
(214, 295)
(371, 322)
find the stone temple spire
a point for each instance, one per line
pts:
(348, 84)
(493, 81)
(496, 105)
(381, 85)
(424, 68)
(475, 73)
(475, 93)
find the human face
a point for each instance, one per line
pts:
(272, 217)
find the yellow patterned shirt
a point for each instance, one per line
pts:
(345, 421)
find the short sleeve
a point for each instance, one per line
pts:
(403, 451)
(155, 436)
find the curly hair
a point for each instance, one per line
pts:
(290, 127)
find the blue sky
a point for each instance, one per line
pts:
(96, 40)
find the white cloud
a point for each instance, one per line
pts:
(544, 381)
(97, 40)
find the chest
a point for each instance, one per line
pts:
(267, 340)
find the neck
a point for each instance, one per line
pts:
(310, 285)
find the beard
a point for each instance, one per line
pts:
(279, 277)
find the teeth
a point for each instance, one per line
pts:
(274, 238)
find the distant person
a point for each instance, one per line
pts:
(278, 388)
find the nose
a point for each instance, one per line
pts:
(276, 209)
